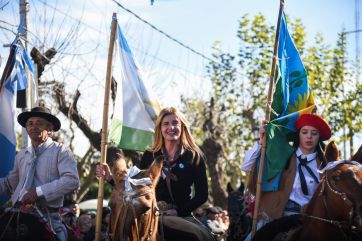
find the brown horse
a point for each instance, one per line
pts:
(334, 212)
(133, 202)
(135, 214)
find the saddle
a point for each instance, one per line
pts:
(164, 206)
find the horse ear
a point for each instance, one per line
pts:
(229, 188)
(332, 153)
(358, 155)
(119, 170)
(155, 169)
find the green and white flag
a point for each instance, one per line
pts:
(136, 107)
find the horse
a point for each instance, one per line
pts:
(133, 203)
(240, 221)
(135, 213)
(333, 213)
(20, 226)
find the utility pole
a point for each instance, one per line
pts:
(26, 95)
(351, 143)
(357, 21)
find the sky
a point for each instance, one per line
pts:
(172, 69)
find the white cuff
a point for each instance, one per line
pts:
(39, 192)
(250, 157)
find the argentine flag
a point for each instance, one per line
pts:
(13, 79)
(136, 107)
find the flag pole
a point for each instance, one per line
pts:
(267, 118)
(105, 125)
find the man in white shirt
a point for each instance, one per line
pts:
(43, 172)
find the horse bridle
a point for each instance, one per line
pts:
(127, 198)
(16, 215)
(351, 214)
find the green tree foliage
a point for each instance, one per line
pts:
(239, 89)
(336, 94)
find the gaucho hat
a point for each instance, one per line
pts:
(315, 121)
(42, 112)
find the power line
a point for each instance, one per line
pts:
(170, 37)
(162, 32)
(138, 49)
(56, 9)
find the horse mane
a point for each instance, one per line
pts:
(277, 226)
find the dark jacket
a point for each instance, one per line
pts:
(187, 174)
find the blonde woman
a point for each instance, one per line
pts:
(183, 184)
(184, 164)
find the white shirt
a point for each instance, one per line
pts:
(250, 157)
(297, 194)
(55, 174)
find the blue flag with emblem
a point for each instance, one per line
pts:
(292, 97)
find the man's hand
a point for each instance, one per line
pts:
(30, 197)
(102, 170)
(262, 131)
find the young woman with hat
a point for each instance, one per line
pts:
(299, 178)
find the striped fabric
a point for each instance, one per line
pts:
(12, 80)
(136, 107)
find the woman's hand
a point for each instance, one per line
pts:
(102, 170)
(262, 131)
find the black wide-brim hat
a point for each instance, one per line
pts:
(42, 112)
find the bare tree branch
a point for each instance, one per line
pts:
(73, 114)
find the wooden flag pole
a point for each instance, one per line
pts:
(105, 125)
(267, 118)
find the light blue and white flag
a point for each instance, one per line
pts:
(136, 106)
(13, 79)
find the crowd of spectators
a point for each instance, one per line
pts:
(81, 224)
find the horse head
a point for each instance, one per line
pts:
(346, 181)
(343, 185)
(135, 207)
